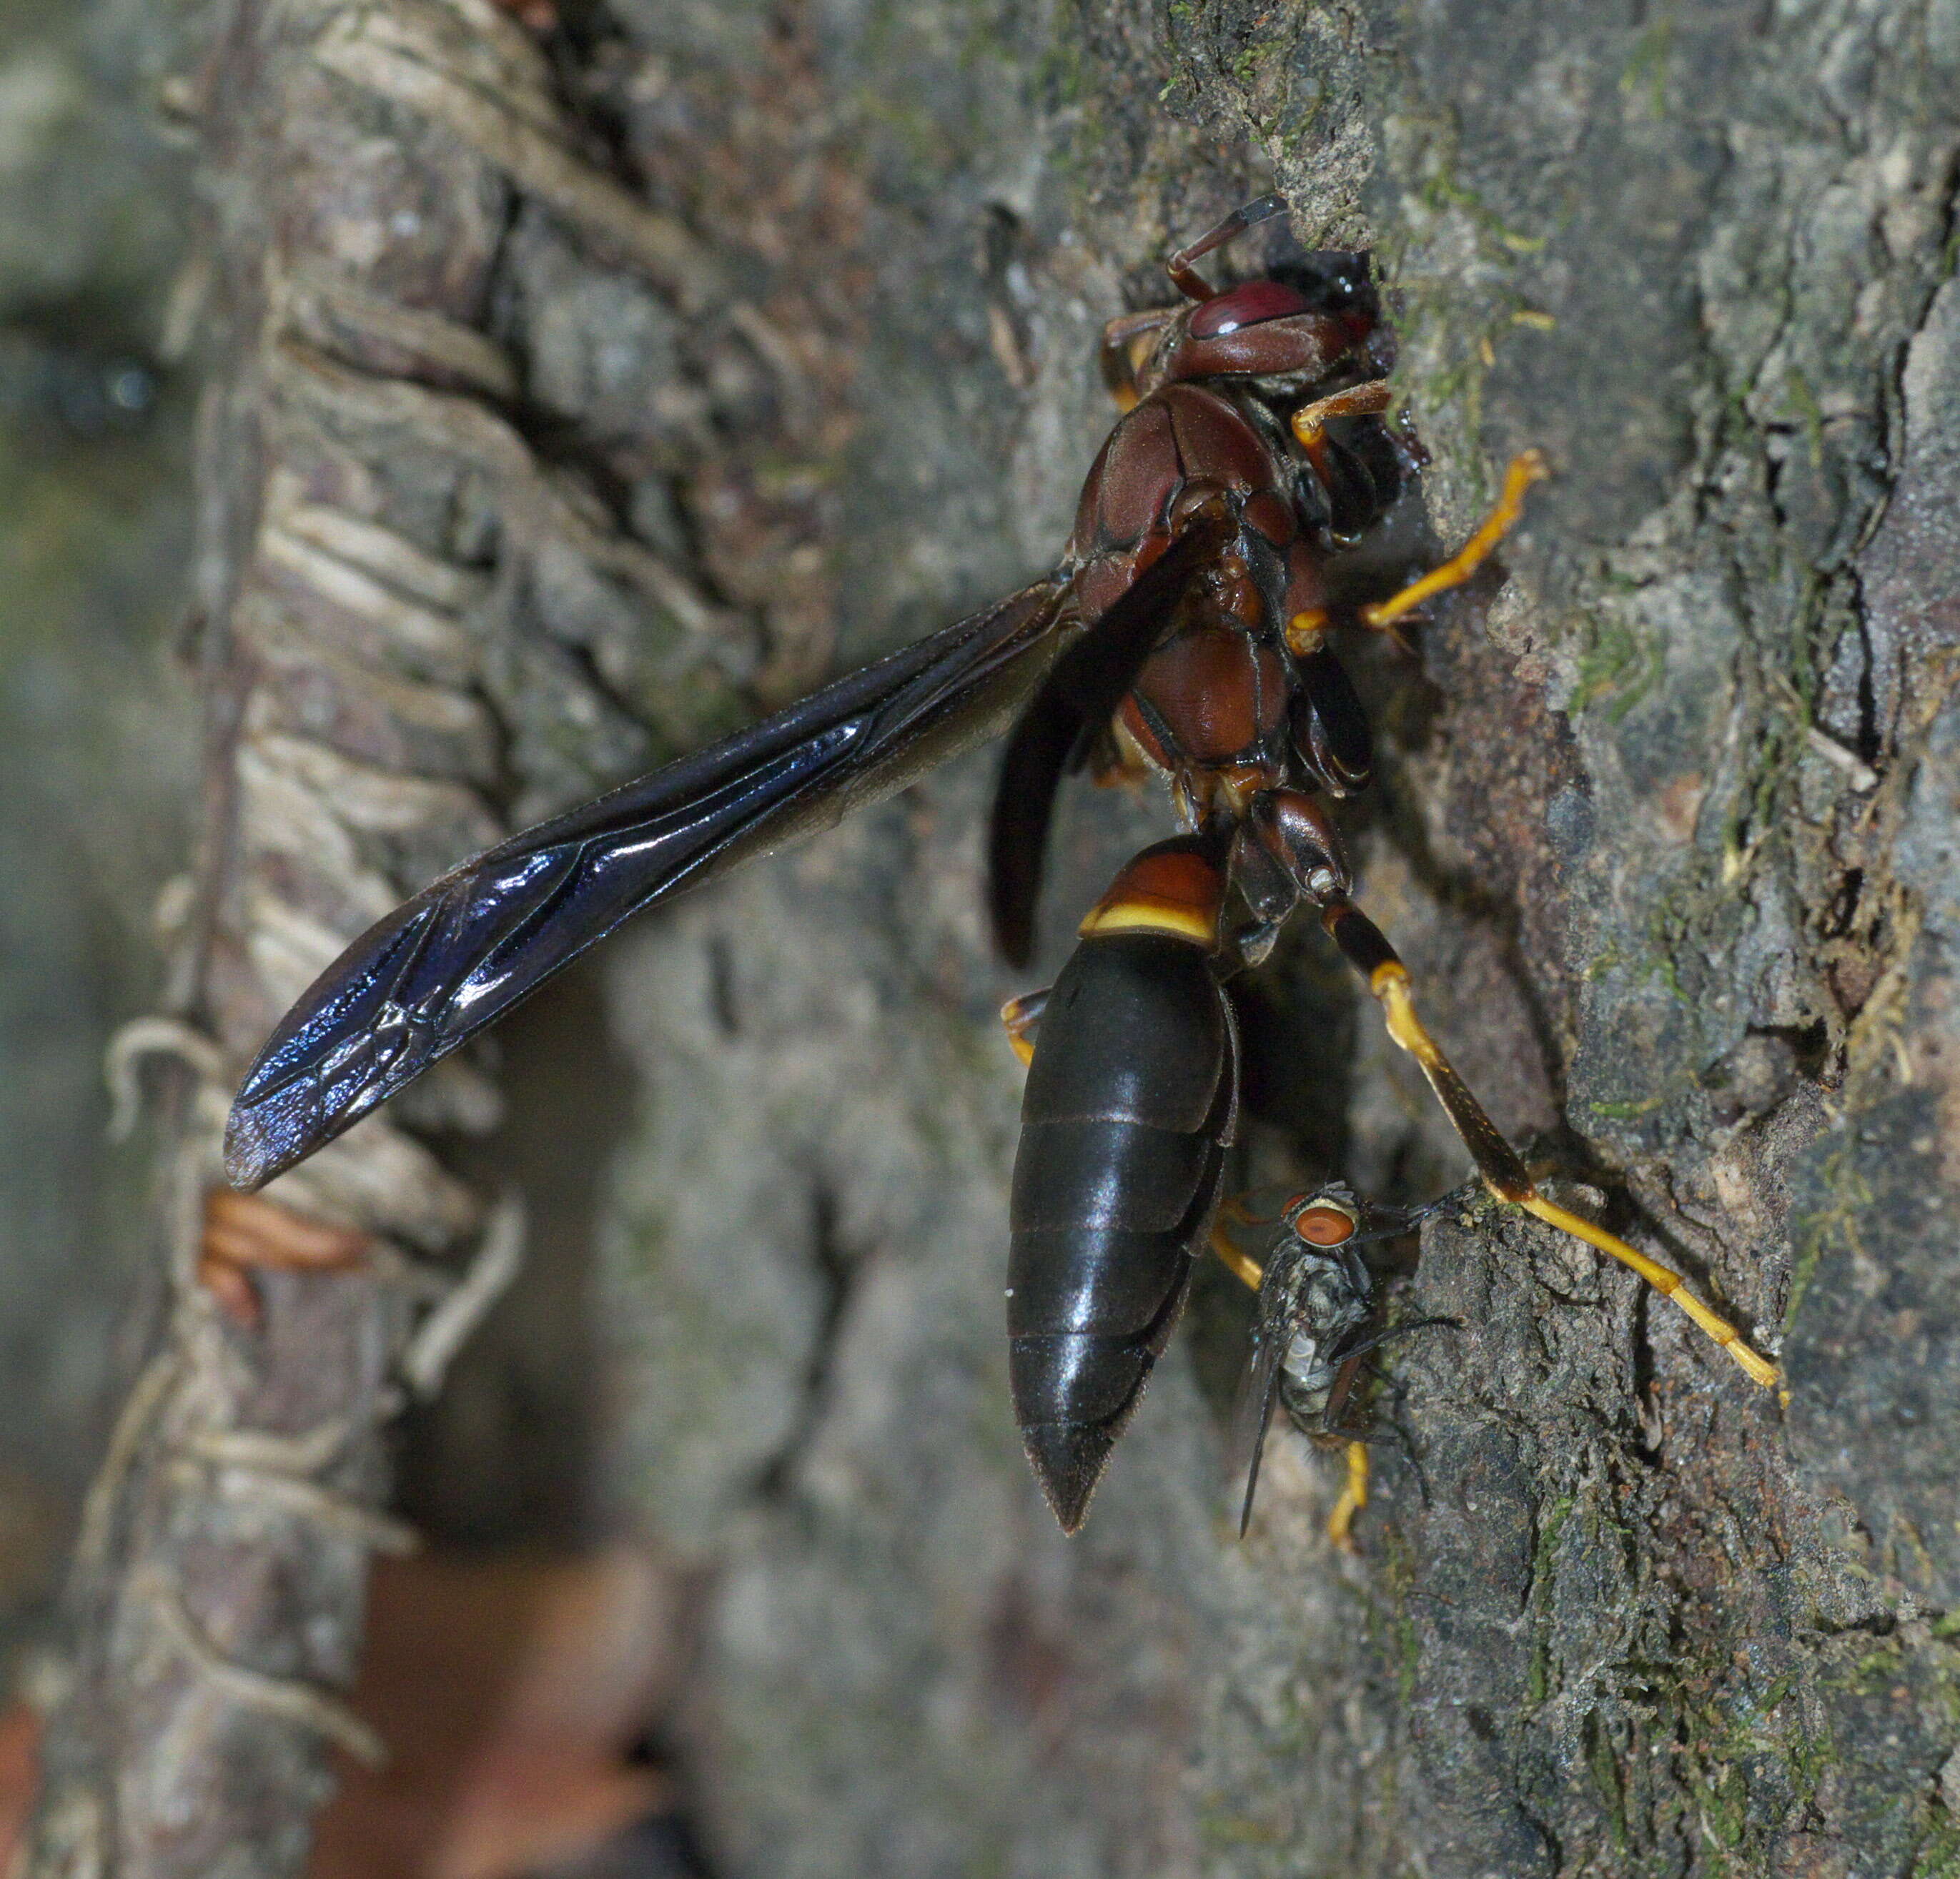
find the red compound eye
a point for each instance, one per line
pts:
(1325, 1225)
(1248, 304)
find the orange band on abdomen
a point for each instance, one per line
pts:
(1172, 890)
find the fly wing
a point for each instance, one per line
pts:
(1259, 1383)
(467, 948)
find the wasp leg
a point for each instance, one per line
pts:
(1354, 1498)
(1524, 471)
(1310, 422)
(1247, 1270)
(1021, 1019)
(1504, 1174)
(1127, 344)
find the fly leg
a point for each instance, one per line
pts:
(1504, 1173)
(1354, 1490)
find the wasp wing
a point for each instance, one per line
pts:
(1259, 1383)
(1078, 698)
(467, 948)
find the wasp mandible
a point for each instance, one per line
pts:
(1188, 630)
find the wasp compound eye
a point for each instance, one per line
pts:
(1252, 303)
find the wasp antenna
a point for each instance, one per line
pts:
(1185, 277)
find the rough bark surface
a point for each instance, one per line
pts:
(94, 744)
(1666, 826)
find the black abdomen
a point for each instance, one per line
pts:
(1130, 1107)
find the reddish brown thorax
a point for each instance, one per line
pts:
(1214, 695)
(1181, 448)
(1218, 693)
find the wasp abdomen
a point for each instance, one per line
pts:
(1129, 1110)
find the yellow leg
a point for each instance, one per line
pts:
(1127, 342)
(1504, 1174)
(1354, 1498)
(1524, 471)
(1664, 1279)
(1307, 630)
(1310, 422)
(1248, 1272)
(1019, 1017)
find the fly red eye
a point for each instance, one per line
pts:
(1324, 1225)
(1247, 304)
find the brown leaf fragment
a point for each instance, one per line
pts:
(511, 1692)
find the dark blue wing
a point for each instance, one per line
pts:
(1076, 699)
(466, 949)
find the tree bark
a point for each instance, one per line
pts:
(1665, 825)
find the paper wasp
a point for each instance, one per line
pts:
(1187, 631)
